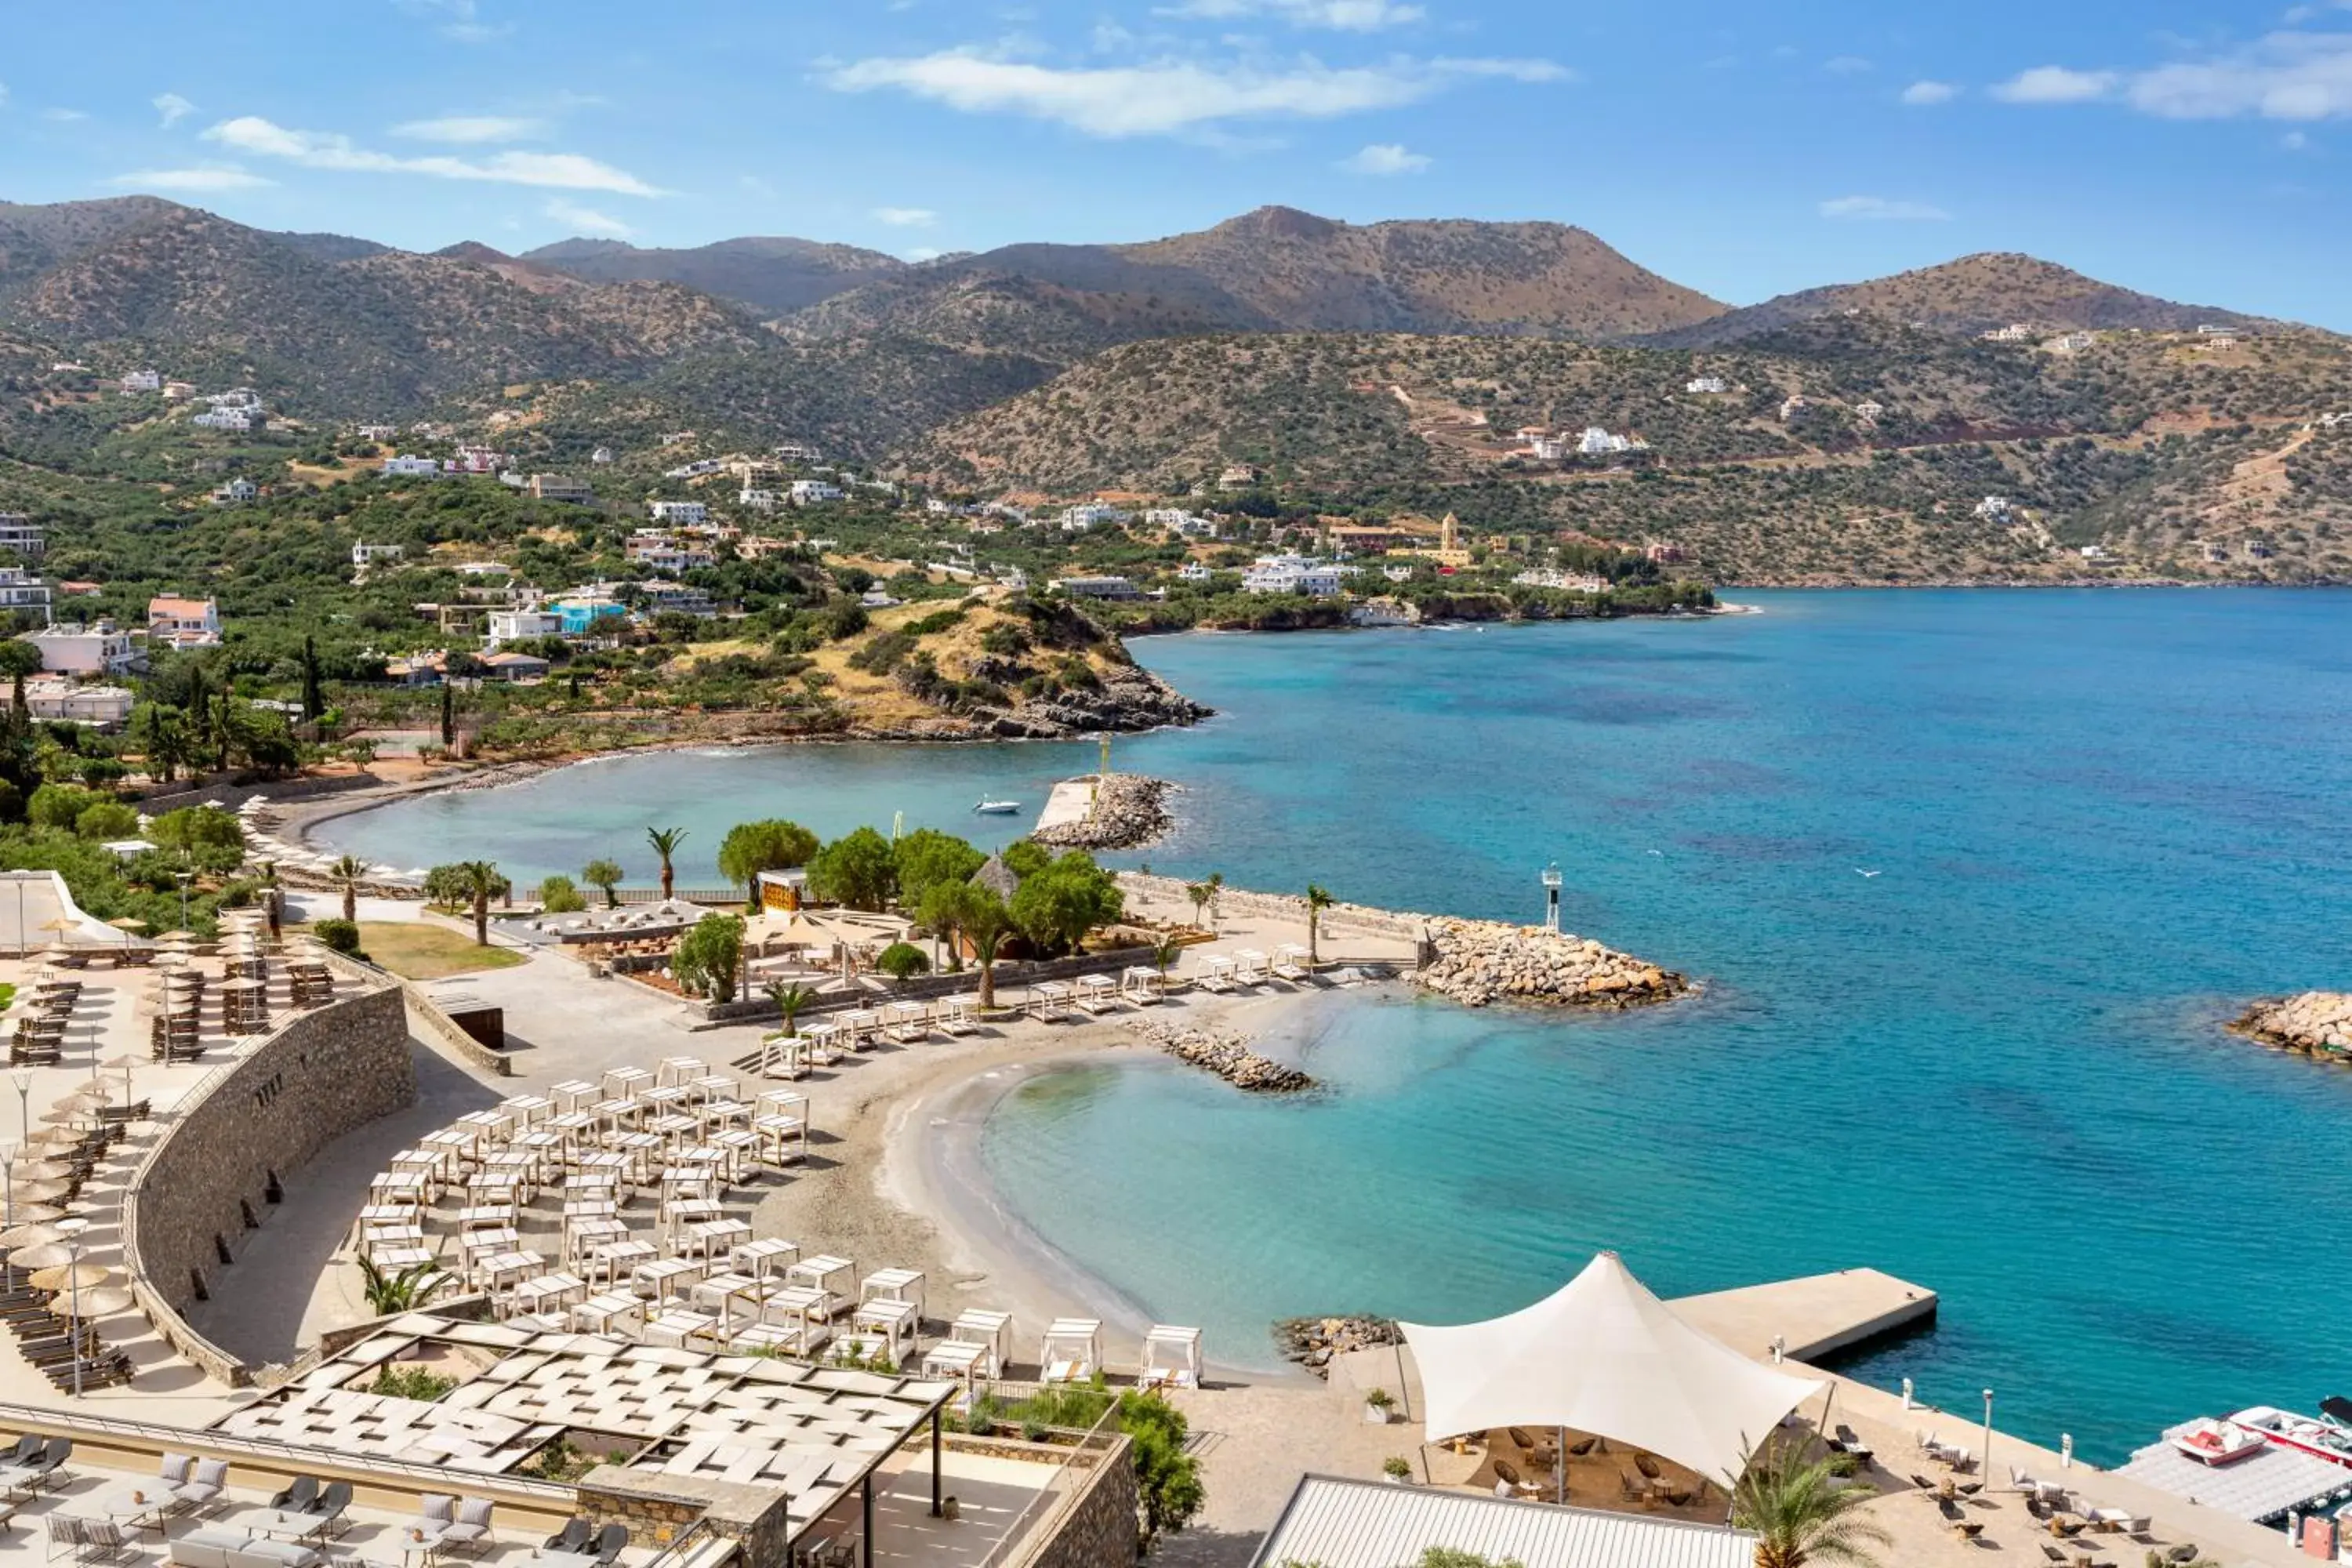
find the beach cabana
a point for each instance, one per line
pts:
(909, 1022)
(992, 1332)
(1046, 1000)
(828, 1275)
(1071, 1349)
(1142, 986)
(1250, 967)
(955, 1015)
(1097, 994)
(1216, 972)
(1603, 1355)
(893, 1285)
(883, 1328)
(1172, 1358)
(1290, 963)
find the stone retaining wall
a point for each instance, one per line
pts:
(229, 797)
(1098, 1527)
(206, 1181)
(922, 988)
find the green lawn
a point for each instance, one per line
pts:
(420, 951)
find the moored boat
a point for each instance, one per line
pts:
(2211, 1442)
(997, 808)
(2327, 1436)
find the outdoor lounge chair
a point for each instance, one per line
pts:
(104, 1541)
(332, 1509)
(205, 1485)
(572, 1538)
(298, 1497)
(64, 1530)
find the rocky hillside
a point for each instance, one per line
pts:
(1974, 294)
(773, 276)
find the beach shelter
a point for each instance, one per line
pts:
(1603, 1355)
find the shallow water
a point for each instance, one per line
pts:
(2098, 821)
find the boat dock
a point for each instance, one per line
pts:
(1067, 805)
(1814, 1316)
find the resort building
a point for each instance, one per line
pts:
(515, 667)
(22, 536)
(364, 555)
(1291, 574)
(679, 512)
(1089, 515)
(676, 598)
(237, 493)
(1097, 587)
(1237, 477)
(661, 551)
(184, 623)
(24, 592)
(813, 492)
(102, 649)
(411, 468)
(1707, 385)
(100, 707)
(142, 380)
(513, 625)
(555, 487)
(1568, 582)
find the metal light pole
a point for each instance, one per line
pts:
(8, 1184)
(184, 878)
(1988, 1451)
(19, 880)
(1551, 897)
(24, 1081)
(73, 1288)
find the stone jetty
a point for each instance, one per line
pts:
(1129, 810)
(2318, 1022)
(1227, 1055)
(1479, 962)
(1313, 1341)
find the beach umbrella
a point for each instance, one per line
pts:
(93, 1301)
(24, 1170)
(71, 1276)
(43, 1192)
(25, 1236)
(46, 1255)
(37, 1213)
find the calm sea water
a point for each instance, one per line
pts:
(2097, 821)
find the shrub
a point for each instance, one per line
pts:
(412, 1382)
(108, 820)
(343, 936)
(60, 805)
(560, 896)
(707, 955)
(903, 961)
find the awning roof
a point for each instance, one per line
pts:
(1604, 1355)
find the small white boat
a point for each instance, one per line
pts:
(2327, 1436)
(997, 808)
(2211, 1442)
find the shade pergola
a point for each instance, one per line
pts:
(1603, 1355)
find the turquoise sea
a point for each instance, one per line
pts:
(2095, 823)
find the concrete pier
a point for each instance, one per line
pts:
(1067, 804)
(1815, 1316)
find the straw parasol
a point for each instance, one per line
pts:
(26, 1236)
(47, 1254)
(53, 1138)
(93, 1301)
(71, 1276)
(43, 1192)
(65, 1115)
(40, 1171)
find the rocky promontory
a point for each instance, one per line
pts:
(1478, 961)
(2318, 1021)
(1129, 812)
(1227, 1055)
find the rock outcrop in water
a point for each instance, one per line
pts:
(1313, 1341)
(1478, 961)
(1227, 1055)
(2318, 1021)
(1131, 811)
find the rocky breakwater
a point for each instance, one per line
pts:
(2316, 1022)
(1227, 1055)
(1479, 962)
(1129, 812)
(1313, 1341)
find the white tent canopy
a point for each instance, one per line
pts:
(1604, 1355)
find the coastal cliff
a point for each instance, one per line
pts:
(2318, 1021)
(1479, 962)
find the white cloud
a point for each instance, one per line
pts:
(2296, 141)
(173, 107)
(1164, 96)
(331, 151)
(1846, 65)
(2055, 84)
(2287, 76)
(469, 130)
(461, 20)
(906, 217)
(208, 177)
(586, 220)
(1385, 158)
(63, 116)
(1927, 94)
(1343, 16)
(4, 95)
(1880, 209)
(922, 253)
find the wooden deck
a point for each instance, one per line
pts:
(1814, 1316)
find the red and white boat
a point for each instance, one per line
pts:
(2326, 1436)
(2211, 1442)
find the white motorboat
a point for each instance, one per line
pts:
(2327, 1436)
(997, 808)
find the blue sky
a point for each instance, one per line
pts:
(2192, 150)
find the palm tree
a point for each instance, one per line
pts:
(791, 998)
(1216, 886)
(347, 874)
(482, 883)
(1199, 893)
(1164, 953)
(401, 1292)
(1318, 901)
(986, 924)
(665, 841)
(606, 875)
(1802, 1512)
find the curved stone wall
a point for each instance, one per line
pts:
(210, 1177)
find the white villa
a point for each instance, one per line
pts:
(1291, 574)
(679, 512)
